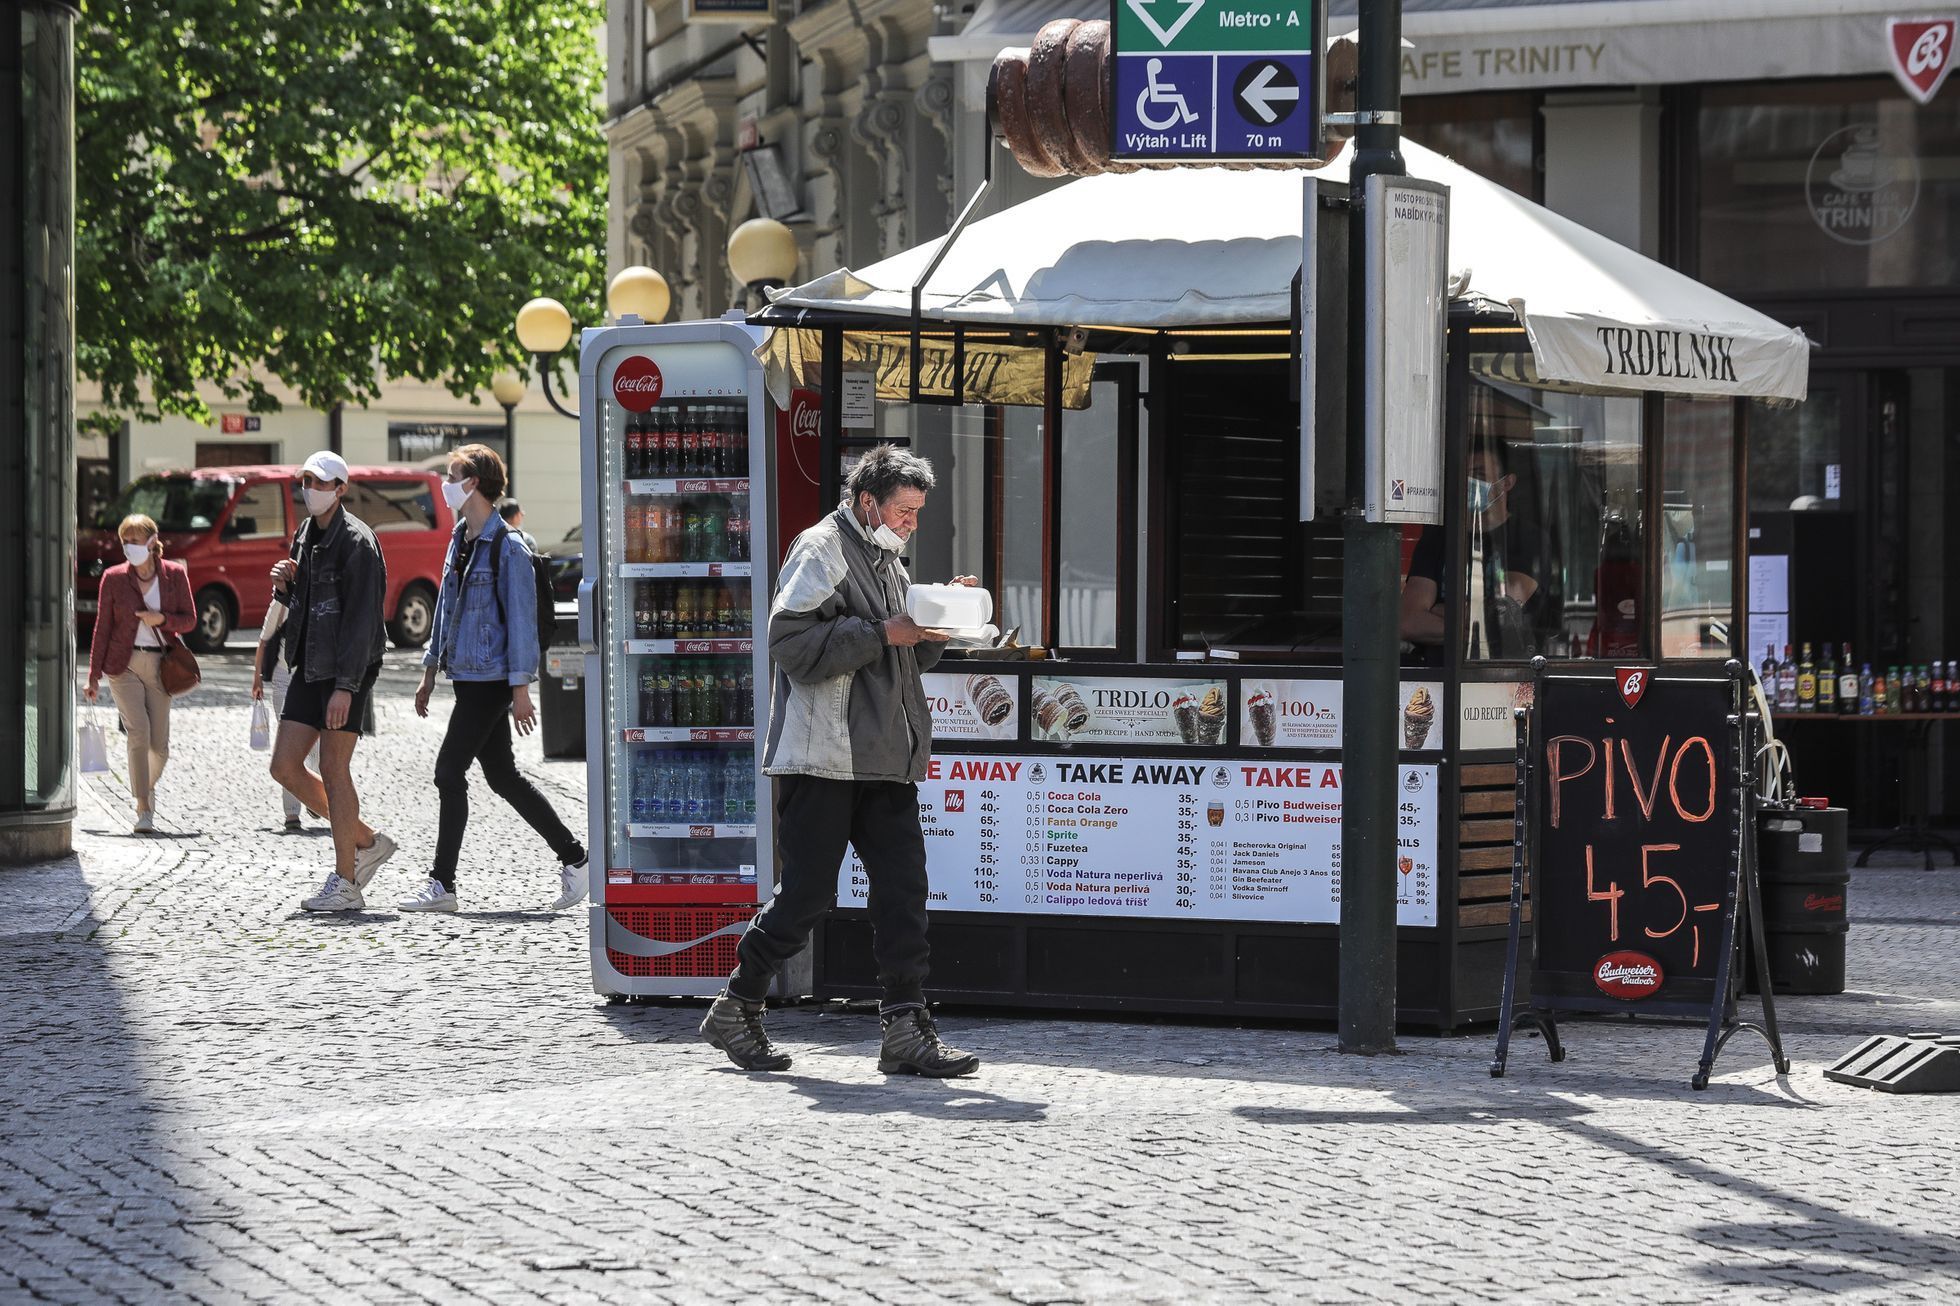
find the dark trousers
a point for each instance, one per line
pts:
(815, 820)
(479, 731)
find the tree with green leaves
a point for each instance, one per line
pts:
(328, 192)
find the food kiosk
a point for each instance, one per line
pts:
(1136, 805)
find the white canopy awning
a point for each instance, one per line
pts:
(1194, 247)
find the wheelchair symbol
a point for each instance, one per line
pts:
(1166, 95)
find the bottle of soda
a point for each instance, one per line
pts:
(1952, 687)
(1892, 688)
(714, 530)
(738, 528)
(738, 444)
(644, 620)
(729, 690)
(1929, 692)
(662, 714)
(745, 695)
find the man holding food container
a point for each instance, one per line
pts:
(850, 734)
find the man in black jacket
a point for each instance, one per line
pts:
(333, 593)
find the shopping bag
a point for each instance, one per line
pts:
(261, 726)
(94, 741)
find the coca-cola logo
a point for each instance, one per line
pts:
(1628, 975)
(1824, 902)
(637, 384)
(1633, 685)
(805, 414)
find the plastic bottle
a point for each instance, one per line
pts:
(638, 791)
(714, 530)
(694, 791)
(728, 692)
(731, 789)
(1867, 703)
(745, 695)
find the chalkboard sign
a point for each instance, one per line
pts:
(1635, 829)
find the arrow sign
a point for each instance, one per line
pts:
(1142, 8)
(1262, 86)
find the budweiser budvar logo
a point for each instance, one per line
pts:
(637, 384)
(1630, 975)
(1922, 53)
(1633, 684)
(1826, 902)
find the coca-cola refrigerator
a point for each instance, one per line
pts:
(677, 569)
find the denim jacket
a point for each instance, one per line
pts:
(470, 640)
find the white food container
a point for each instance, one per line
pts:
(949, 607)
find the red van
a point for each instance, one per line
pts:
(230, 524)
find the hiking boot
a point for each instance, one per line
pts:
(911, 1046)
(735, 1027)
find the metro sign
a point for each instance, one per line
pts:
(1204, 80)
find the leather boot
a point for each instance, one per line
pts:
(735, 1027)
(911, 1046)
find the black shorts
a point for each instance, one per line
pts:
(306, 703)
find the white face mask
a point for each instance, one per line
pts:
(456, 494)
(138, 554)
(884, 536)
(320, 501)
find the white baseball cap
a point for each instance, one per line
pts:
(327, 465)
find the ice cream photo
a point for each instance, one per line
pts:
(1418, 715)
(1262, 711)
(1211, 715)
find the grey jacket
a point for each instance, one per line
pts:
(337, 601)
(845, 705)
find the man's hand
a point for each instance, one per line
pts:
(966, 580)
(258, 676)
(150, 617)
(91, 691)
(423, 690)
(337, 707)
(903, 632)
(521, 710)
(284, 570)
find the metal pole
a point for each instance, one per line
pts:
(510, 449)
(1371, 671)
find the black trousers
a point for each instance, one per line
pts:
(479, 731)
(815, 820)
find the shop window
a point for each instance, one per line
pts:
(429, 444)
(1553, 555)
(1494, 135)
(951, 539)
(1697, 525)
(1796, 455)
(1832, 185)
(1088, 564)
(1016, 490)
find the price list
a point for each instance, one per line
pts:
(1174, 838)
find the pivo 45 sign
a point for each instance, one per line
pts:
(1635, 842)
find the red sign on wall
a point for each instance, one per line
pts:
(1922, 53)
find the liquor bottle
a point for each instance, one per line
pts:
(1767, 675)
(1826, 681)
(1868, 692)
(1847, 684)
(1786, 682)
(1806, 682)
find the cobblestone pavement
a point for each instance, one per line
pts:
(211, 1096)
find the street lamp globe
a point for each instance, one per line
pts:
(508, 389)
(544, 326)
(638, 290)
(762, 251)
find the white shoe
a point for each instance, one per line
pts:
(571, 883)
(145, 822)
(368, 860)
(432, 898)
(335, 895)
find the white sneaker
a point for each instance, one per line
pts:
(571, 884)
(335, 895)
(145, 822)
(432, 898)
(368, 860)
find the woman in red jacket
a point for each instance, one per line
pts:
(143, 603)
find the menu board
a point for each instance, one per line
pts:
(1308, 714)
(1163, 838)
(1129, 710)
(976, 706)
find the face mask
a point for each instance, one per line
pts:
(320, 501)
(885, 537)
(455, 494)
(138, 554)
(1481, 493)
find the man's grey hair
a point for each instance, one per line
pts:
(887, 469)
